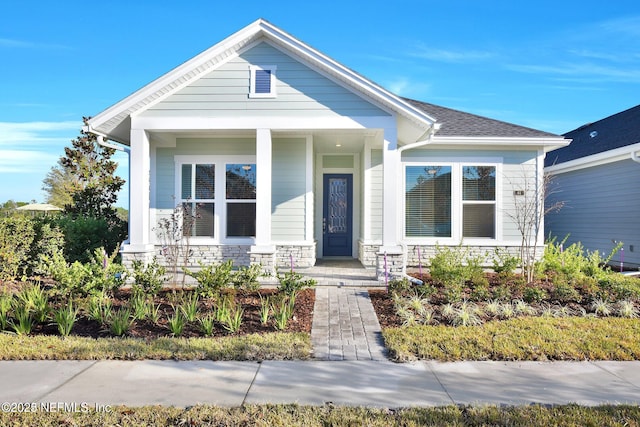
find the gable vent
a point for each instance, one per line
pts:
(263, 81)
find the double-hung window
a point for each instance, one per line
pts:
(241, 200)
(219, 198)
(479, 201)
(198, 199)
(456, 200)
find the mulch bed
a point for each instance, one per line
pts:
(384, 306)
(146, 329)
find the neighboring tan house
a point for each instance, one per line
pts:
(598, 178)
(288, 155)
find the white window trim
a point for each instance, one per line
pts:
(220, 200)
(252, 77)
(457, 202)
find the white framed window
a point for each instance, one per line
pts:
(219, 197)
(451, 200)
(262, 81)
(479, 202)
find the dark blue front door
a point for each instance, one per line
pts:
(337, 216)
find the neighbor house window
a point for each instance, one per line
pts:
(262, 81)
(433, 193)
(241, 200)
(428, 201)
(198, 199)
(479, 201)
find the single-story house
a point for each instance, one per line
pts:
(289, 156)
(598, 178)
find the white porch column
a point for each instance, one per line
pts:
(308, 202)
(139, 167)
(263, 189)
(392, 186)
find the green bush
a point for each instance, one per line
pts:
(291, 283)
(533, 294)
(101, 274)
(447, 266)
(616, 287)
(212, 279)
(564, 292)
(246, 278)
(16, 237)
(505, 263)
(83, 235)
(148, 278)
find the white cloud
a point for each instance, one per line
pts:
(403, 86)
(37, 133)
(29, 162)
(23, 44)
(626, 26)
(451, 56)
(581, 71)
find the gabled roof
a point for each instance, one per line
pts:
(114, 122)
(456, 123)
(616, 131)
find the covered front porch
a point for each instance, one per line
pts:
(318, 194)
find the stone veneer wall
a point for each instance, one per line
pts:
(368, 254)
(488, 252)
(301, 255)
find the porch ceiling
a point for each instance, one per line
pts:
(323, 140)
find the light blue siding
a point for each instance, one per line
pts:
(602, 204)
(300, 92)
(288, 190)
(376, 194)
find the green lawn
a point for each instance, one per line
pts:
(271, 346)
(527, 338)
(293, 415)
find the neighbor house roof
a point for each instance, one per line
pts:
(616, 131)
(458, 123)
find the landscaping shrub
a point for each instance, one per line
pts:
(447, 266)
(291, 283)
(83, 235)
(16, 237)
(99, 275)
(212, 279)
(148, 278)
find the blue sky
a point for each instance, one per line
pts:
(550, 65)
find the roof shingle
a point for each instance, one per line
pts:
(459, 123)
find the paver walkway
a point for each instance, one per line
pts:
(345, 326)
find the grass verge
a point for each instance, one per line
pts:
(274, 346)
(529, 338)
(294, 415)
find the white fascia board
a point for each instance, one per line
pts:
(181, 124)
(178, 77)
(616, 155)
(548, 143)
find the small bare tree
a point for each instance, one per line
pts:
(530, 205)
(175, 233)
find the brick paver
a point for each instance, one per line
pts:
(345, 325)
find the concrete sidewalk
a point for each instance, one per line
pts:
(367, 383)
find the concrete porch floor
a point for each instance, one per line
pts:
(341, 272)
